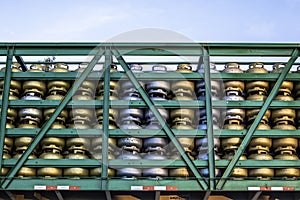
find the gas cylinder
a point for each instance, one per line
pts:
(283, 114)
(257, 87)
(35, 87)
(87, 87)
(8, 144)
(50, 171)
(26, 171)
(231, 143)
(237, 173)
(155, 144)
(285, 144)
(128, 91)
(260, 144)
(96, 144)
(181, 172)
(261, 173)
(287, 173)
(235, 87)
(252, 113)
(113, 115)
(129, 172)
(5, 170)
(82, 114)
(155, 173)
(158, 88)
(53, 143)
(15, 86)
(58, 88)
(130, 143)
(61, 118)
(113, 86)
(286, 87)
(76, 172)
(183, 87)
(78, 143)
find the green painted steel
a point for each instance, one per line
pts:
(258, 118)
(162, 122)
(105, 135)
(117, 163)
(209, 124)
(48, 124)
(141, 104)
(148, 76)
(5, 98)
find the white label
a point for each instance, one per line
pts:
(160, 188)
(136, 187)
(277, 188)
(39, 187)
(63, 187)
(254, 188)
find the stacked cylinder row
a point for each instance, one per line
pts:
(154, 148)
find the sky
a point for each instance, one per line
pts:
(197, 20)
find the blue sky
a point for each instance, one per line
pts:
(202, 20)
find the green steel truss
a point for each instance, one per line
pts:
(121, 51)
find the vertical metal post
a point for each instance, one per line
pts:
(254, 125)
(164, 125)
(5, 98)
(105, 124)
(209, 131)
(48, 124)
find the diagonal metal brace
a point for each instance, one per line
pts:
(164, 125)
(254, 125)
(5, 98)
(43, 131)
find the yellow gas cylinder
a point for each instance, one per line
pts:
(187, 143)
(257, 87)
(82, 114)
(114, 86)
(183, 87)
(252, 113)
(287, 173)
(78, 144)
(286, 87)
(113, 115)
(181, 172)
(87, 88)
(53, 143)
(26, 171)
(61, 118)
(285, 144)
(35, 86)
(50, 171)
(58, 87)
(4, 169)
(260, 144)
(233, 85)
(8, 144)
(183, 114)
(76, 172)
(97, 171)
(237, 173)
(261, 173)
(15, 86)
(283, 114)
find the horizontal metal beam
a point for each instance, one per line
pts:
(125, 185)
(143, 133)
(149, 76)
(141, 104)
(144, 163)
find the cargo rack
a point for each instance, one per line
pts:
(105, 187)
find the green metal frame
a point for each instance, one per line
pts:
(146, 49)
